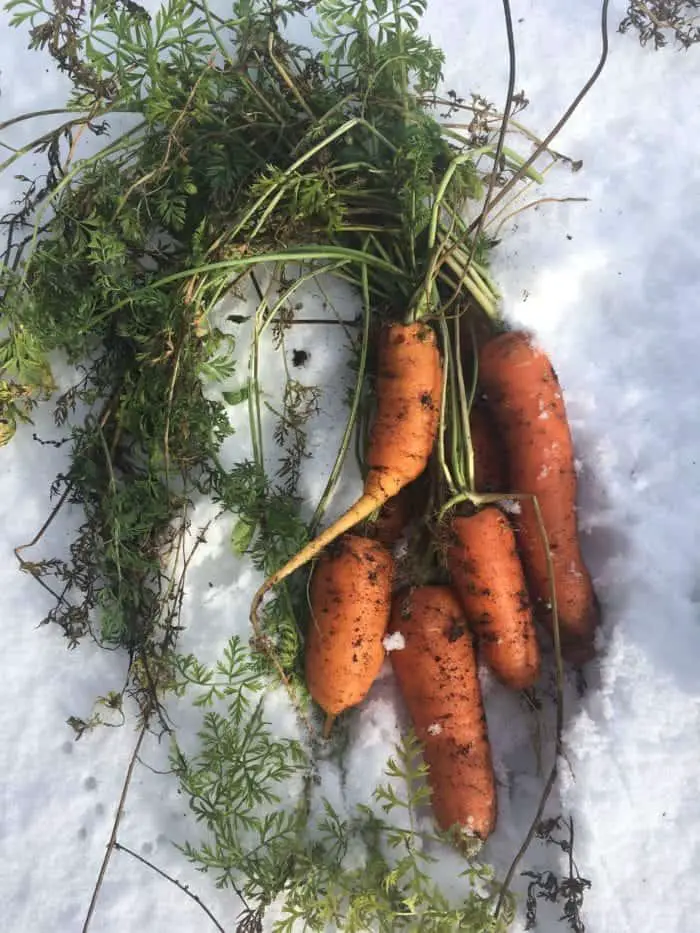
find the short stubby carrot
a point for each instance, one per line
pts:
(525, 398)
(350, 609)
(489, 580)
(402, 435)
(437, 675)
(490, 467)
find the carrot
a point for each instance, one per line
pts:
(437, 675)
(398, 513)
(401, 438)
(490, 470)
(350, 609)
(489, 580)
(393, 518)
(525, 398)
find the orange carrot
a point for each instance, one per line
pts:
(437, 676)
(393, 517)
(350, 609)
(397, 514)
(490, 582)
(525, 398)
(490, 470)
(402, 435)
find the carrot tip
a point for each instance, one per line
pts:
(328, 725)
(468, 843)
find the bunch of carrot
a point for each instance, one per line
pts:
(502, 570)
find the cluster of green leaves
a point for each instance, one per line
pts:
(365, 871)
(379, 41)
(94, 289)
(243, 149)
(269, 530)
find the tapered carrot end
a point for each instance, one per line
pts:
(375, 497)
(255, 606)
(467, 842)
(328, 725)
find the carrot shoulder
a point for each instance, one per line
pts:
(402, 435)
(525, 398)
(489, 580)
(350, 609)
(437, 675)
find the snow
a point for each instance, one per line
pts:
(512, 506)
(394, 642)
(610, 288)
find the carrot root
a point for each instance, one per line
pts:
(489, 580)
(525, 397)
(401, 439)
(361, 510)
(350, 609)
(328, 724)
(438, 678)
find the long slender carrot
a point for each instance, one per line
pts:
(489, 580)
(402, 435)
(525, 398)
(350, 609)
(437, 675)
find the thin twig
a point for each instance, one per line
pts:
(477, 227)
(354, 408)
(502, 131)
(284, 74)
(115, 826)
(534, 204)
(178, 884)
(342, 322)
(544, 145)
(44, 528)
(104, 417)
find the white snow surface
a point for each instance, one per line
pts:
(394, 642)
(610, 289)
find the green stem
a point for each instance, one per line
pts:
(440, 195)
(446, 376)
(455, 428)
(296, 284)
(466, 280)
(254, 412)
(274, 113)
(284, 74)
(299, 254)
(51, 134)
(209, 16)
(475, 369)
(466, 451)
(354, 408)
